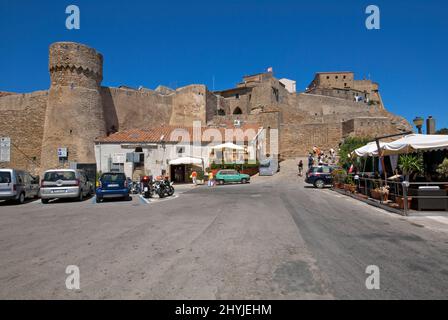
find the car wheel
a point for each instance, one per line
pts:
(44, 201)
(221, 182)
(243, 181)
(98, 200)
(21, 198)
(320, 184)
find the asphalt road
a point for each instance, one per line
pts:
(272, 239)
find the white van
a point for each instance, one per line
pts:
(18, 185)
(65, 183)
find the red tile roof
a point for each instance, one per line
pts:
(174, 134)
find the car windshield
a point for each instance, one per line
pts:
(5, 177)
(113, 177)
(54, 176)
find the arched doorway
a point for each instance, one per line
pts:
(237, 110)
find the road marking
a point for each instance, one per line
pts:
(143, 200)
(440, 219)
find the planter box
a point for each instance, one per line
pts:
(400, 202)
(378, 195)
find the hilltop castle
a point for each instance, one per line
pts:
(76, 109)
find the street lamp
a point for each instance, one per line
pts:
(418, 122)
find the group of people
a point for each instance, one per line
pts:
(318, 157)
(211, 178)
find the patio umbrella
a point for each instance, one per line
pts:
(415, 142)
(369, 150)
(228, 145)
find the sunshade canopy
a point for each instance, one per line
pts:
(408, 144)
(185, 160)
(416, 142)
(369, 150)
(228, 145)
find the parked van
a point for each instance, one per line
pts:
(18, 185)
(65, 183)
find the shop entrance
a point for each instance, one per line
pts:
(177, 173)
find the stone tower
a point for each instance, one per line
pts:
(74, 115)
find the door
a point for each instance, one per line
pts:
(6, 184)
(233, 176)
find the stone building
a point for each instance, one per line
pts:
(343, 85)
(77, 109)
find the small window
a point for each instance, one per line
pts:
(345, 77)
(337, 77)
(237, 96)
(328, 77)
(180, 150)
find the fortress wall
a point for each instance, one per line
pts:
(189, 104)
(211, 105)
(126, 109)
(22, 119)
(297, 140)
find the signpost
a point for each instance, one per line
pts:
(5, 149)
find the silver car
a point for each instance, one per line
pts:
(65, 183)
(18, 185)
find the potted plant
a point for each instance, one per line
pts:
(350, 184)
(442, 170)
(410, 164)
(380, 193)
(339, 176)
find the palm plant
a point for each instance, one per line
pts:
(442, 169)
(411, 164)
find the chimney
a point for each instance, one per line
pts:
(430, 125)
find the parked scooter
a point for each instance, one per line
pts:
(135, 187)
(163, 188)
(147, 187)
(169, 186)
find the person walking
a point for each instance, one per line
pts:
(194, 176)
(310, 161)
(210, 179)
(300, 168)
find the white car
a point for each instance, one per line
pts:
(65, 183)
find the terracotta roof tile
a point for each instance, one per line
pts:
(174, 134)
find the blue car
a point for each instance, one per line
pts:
(113, 185)
(319, 176)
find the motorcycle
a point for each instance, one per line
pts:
(135, 187)
(160, 189)
(169, 187)
(147, 187)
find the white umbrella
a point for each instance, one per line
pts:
(228, 145)
(369, 150)
(415, 142)
(185, 160)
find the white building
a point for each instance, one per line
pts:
(290, 85)
(173, 151)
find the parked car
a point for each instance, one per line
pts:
(320, 176)
(18, 185)
(65, 183)
(231, 176)
(113, 185)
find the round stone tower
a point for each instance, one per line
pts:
(74, 115)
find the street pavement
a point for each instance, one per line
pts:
(275, 238)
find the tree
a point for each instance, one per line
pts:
(349, 145)
(442, 131)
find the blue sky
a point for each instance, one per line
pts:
(176, 43)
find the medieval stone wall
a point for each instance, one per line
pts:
(22, 120)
